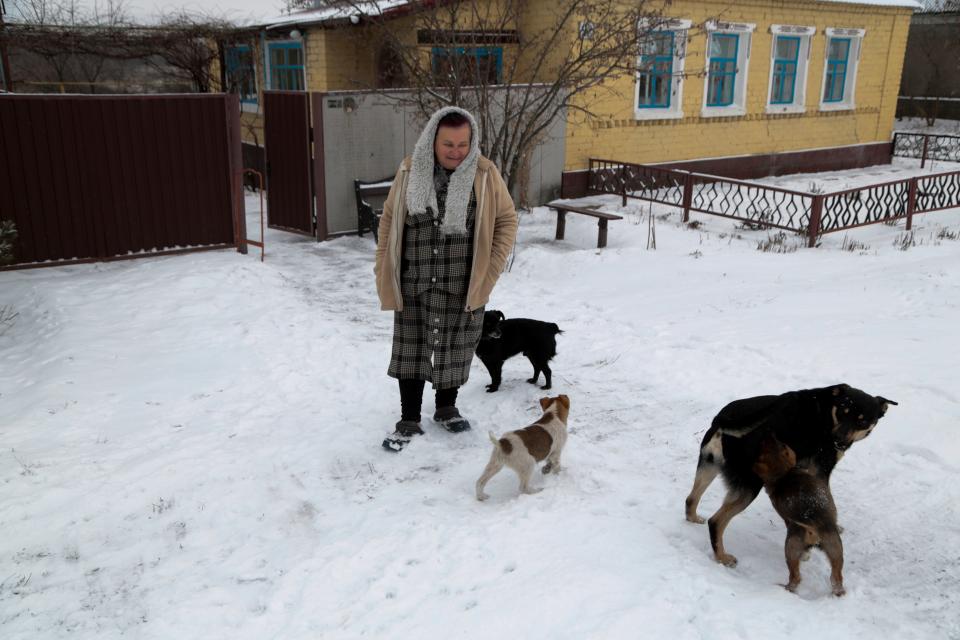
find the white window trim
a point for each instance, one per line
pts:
(675, 110)
(850, 83)
(266, 60)
(739, 106)
(803, 66)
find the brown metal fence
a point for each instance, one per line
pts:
(96, 178)
(810, 214)
(927, 146)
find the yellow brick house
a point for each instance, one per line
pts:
(740, 89)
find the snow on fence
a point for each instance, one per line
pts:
(810, 214)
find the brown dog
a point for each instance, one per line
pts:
(803, 500)
(522, 449)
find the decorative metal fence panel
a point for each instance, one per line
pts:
(926, 146)
(867, 205)
(937, 192)
(652, 183)
(753, 203)
(811, 214)
(642, 182)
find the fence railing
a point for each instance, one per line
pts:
(809, 214)
(927, 146)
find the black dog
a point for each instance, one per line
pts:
(503, 339)
(818, 424)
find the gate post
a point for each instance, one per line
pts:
(816, 210)
(623, 184)
(687, 196)
(926, 142)
(911, 202)
(235, 164)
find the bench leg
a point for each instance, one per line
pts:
(601, 234)
(561, 224)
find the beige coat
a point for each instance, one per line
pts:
(494, 232)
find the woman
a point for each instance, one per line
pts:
(447, 228)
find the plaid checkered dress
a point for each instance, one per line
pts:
(434, 339)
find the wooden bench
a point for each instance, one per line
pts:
(368, 218)
(602, 220)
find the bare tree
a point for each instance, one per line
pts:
(72, 40)
(188, 43)
(291, 6)
(547, 71)
(933, 54)
(79, 43)
(941, 5)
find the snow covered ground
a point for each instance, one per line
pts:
(191, 444)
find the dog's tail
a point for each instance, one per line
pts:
(556, 329)
(502, 445)
(810, 535)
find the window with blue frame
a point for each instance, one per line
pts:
(838, 58)
(785, 63)
(655, 71)
(286, 66)
(722, 74)
(471, 65)
(240, 73)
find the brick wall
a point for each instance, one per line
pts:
(616, 134)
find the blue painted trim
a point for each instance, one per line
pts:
(477, 52)
(656, 77)
(728, 76)
(834, 65)
(289, 46)
(232, 63)
(782, 74)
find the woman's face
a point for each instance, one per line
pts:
(452, 145)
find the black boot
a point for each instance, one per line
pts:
(450, 419)
(400, 438)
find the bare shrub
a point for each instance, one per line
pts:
(777, 243)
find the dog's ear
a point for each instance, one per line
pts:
(564, 400)
(545, 402)
(841, 389)
(502, 317)
(885, 404)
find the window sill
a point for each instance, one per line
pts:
(775, 109)
(723, 112)
(837, 106)
(249, 107)
(657, 114)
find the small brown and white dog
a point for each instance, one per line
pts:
(522, 449)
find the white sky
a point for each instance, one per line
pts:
(242, 11)
(236, 10)
(147, 11)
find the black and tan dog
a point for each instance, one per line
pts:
(818, 424)
(803, 500)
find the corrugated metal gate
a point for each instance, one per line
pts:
(286, 132)
(95, 178)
